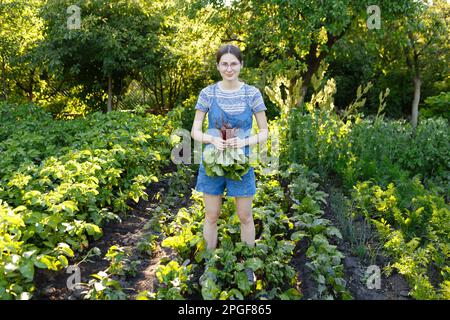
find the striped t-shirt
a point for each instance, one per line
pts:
(231, 101)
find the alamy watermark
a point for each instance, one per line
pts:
(374, 20)
(74, 20)
(74, 280)
(373, 276)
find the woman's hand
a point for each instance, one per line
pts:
(219, 143)
(235, 142)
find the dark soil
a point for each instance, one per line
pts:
(394, 287)
(307, 283)
(52, 285)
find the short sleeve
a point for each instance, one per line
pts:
(258, 102)
(203, 102)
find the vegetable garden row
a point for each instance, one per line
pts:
(62, 181)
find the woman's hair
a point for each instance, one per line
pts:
(229, 48)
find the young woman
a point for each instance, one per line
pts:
(229, 103)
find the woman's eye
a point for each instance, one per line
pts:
(232, 65)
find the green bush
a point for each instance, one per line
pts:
(61, 179)
(414, 223)
(437, 106)
(428, 151)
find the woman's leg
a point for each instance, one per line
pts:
(244, 211)
(212, 208)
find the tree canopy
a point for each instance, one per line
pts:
(155, 55)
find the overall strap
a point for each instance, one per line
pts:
(246, 96)
(223, 116)
(214, 102)
(214, 91)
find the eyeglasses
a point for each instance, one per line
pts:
(233, 65)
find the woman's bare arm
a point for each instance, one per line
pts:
(198, 135)
(263, 133)
(197, 128)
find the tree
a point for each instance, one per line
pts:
(293, 37)
(115, 39)
(185, 56)
(422, 36)
(20, 32)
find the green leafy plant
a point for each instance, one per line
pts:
(172, 281)
(61, 180)
(413, 223)
(231, 162)
(103, 287)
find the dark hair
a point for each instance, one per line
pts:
(229, 48)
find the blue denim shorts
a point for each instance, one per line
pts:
(216, 185)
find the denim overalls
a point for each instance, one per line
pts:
(243, 122)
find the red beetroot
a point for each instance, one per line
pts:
(228, 133)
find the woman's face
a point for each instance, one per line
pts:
(229, 67)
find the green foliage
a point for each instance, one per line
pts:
(428, 151)
(412, 43)
(414, 225)
(224, 276)
(325, 260)
(360, 149)
(386, 164)
(172, 278)
(230, 163)
(436, 106)
(61, 180)
(327, 268)
(148, 244)
(20, 34)
(185, 61)
(103, 287)
(115, 40)
(359, 232)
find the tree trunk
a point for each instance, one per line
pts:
(303, 92)
(109, 94)
(313, 60)
(416, 100)
(30, 86)
(31, 83)
(5, 96)
(313, 63)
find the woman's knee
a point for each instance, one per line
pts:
(245, 217)
(212, 208)
(212, 216)
(244, 209)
